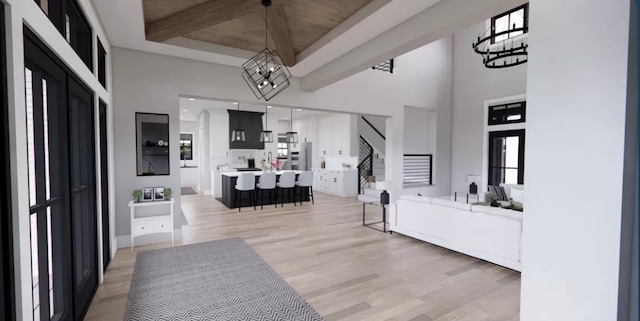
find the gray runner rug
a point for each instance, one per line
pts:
(220, 280)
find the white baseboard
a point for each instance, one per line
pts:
(206, 193)
(124, 241)
(517, 266)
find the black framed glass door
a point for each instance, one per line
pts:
(7, 307)
(506, 157)
(62, 186)
(83, 195)
(104, 186)
(45, 95)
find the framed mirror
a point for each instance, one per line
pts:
(152, 144)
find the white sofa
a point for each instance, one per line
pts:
(488, 233)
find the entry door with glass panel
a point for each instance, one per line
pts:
(506, 157)
(83, 195)
(45, 94)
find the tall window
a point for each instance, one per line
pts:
(513, 19)
(283, 147)
(506, 157)
(186, 146)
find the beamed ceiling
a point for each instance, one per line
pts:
(293, 24)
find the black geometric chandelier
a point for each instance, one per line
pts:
(265, 73)
(500, 49)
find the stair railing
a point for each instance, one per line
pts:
(365, 165)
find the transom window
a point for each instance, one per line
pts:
(517, 18)
(508, 113)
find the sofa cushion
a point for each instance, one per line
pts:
(417, 198)
(497, 211)
(509, 187)
(452, 204)
(517, 196)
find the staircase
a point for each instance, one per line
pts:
(370, 166)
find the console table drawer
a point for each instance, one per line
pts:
(150, 225)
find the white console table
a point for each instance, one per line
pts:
(151, 224)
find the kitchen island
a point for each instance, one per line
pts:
(229, 191)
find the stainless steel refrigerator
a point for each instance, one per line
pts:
(301, 160)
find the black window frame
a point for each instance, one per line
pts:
(190, 139)
(521, 149)
(506, 13)
(58, 11)
(102, 64)
(499, 114)
(7, 294)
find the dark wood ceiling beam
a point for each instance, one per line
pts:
(201, 16)
(279, 32)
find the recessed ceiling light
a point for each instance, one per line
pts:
(235, 103)
(298, 109)
(285, 118)
(185, 110)
(192, 99)
(269, 107)
(181, 116)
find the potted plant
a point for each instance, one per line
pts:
(167, 193)
(137, 194)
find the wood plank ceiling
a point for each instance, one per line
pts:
(293, 24)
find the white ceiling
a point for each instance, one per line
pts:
(190, 109)
(124, 24)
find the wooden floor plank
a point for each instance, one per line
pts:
(344, 270)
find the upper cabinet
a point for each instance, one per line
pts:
(336, 134)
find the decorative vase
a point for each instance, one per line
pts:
(473, 188)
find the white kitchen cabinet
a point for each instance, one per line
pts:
(335, 135)
(336, 182)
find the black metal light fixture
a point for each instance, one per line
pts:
(238, 135)
(505, 53)
(265, 73)
(292, 137)
(266, 136)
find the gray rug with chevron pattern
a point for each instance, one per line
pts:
(220, 280)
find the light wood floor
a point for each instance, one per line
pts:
(345, 271)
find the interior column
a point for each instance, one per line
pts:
(581, 143)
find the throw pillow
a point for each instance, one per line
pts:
(517, 196)
(498, 193)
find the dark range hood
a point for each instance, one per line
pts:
(251, 122)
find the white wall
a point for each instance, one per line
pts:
(155, 82)
(576, 119)
(473, 84)
(21, 12)
(416, 130)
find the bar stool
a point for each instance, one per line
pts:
(267, 183)
(288, 182)
(246, 182)
(305, 182)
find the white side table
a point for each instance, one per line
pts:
(151, 224)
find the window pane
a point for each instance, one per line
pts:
(45, 113)
(50, 257)
(511, 151)
(511, 176)
(31, 155)
(34, 264)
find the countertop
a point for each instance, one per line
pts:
(236, 174)
(335, 169)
